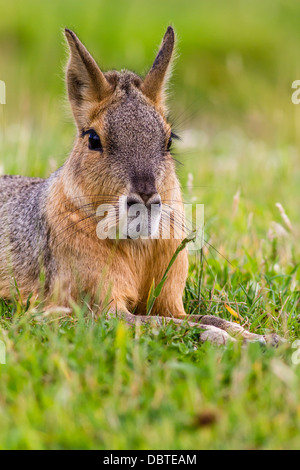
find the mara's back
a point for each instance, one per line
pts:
(21, 230)
(11, 185)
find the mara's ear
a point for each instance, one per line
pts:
(153, 84)
(86, 83)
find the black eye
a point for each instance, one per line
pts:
(169, 143)
(94, 141)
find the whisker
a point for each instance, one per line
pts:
(74, 233)
(97, 196)
(73, 225)
(214, 248)
(69, 212)
(183, 186)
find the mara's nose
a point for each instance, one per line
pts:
(144, 198)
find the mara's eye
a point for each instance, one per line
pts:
(94, 141)
(170, 141)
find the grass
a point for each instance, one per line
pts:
(71, 382)
(74, 384)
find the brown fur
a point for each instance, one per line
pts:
(50, 225)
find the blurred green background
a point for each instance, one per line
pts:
(236, 58)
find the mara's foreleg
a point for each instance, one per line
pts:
(235, 330)
(170, 304)
(206, 333)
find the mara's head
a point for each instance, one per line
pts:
(122, 149)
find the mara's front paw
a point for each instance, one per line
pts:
(274, 340)
(215, 335)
